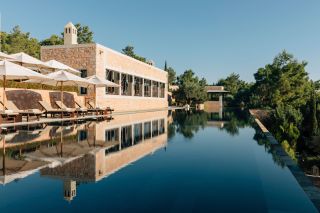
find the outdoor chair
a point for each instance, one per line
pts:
(78, 111)
(99, 109)
(8, 116)
(85, 108)
(28, 113)
(48, 109)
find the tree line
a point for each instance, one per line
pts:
(18, 41)
(284, 88)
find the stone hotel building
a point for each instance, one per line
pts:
(143, 86)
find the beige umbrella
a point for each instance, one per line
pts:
(60, 66)
(63, 78)
(97, 81)
(11, 71)
(28, 61)
(5, 56)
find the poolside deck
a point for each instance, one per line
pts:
(73, 119)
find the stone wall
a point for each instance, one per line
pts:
(82, 56)
(212, 106)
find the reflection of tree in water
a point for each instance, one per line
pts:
(171, 130)
(263, 141)
(235, 119)
(188, 123)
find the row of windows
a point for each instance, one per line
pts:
(130, 86)
(130, 134)
(140, 131)
(74, 31)
(134, 86)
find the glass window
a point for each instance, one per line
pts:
(155, 89)
(147, 130)
(126, 84)
(155, 128)
(112, 149)
(114, 77)
(162, 89)
(126, 136)
(161, 126)
(138, 84)
(82, 135)
(83, 90)
(112, 135)
(137, 133)
(147, 88)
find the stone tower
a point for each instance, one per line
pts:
(70, 34)
(69, 188)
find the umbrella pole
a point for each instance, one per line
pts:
(61, 142)
(95, 96)
(61, 97)
(61, 92)
(4, 92)
(4, 155)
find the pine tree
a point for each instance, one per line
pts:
(314, 121)
(165, 66)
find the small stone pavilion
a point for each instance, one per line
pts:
(143, 86)
(215, 98)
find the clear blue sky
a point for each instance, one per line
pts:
(213, 37)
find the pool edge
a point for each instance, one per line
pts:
(306, 184)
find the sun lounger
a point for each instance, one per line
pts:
(29, 112)
(77, 110)
(85, 108)
(99, 109)
(49, 110)
(8, 116)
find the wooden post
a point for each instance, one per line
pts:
(61, 92)
(4, 156)
(95, 96)
(61, 96)
(61, 142)
(4, 93)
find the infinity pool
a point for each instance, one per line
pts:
(146, 162)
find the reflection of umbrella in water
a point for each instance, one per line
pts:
(19, 168)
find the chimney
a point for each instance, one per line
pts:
(70, 35)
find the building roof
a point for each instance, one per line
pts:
(69, 24)
(216, 89)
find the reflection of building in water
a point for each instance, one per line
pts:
(315, 170)
(70, 189)
(29, 149)
(314, 174)
(216, 119)
(129, 138)
(215, 99)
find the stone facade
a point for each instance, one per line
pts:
(96, 58)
